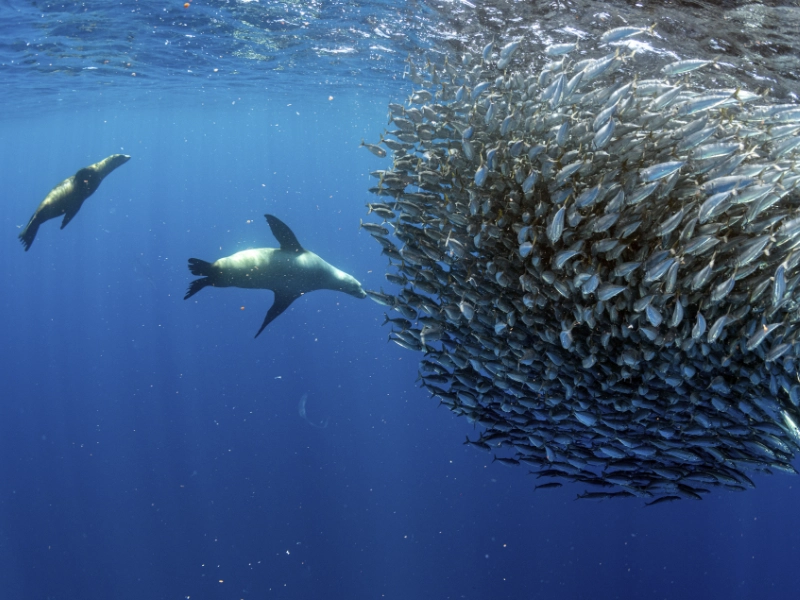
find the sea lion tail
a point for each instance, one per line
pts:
(204, 270)
(27, 235)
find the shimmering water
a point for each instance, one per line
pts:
(213, 49)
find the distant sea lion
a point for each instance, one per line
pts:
(290, 271)
(68, 196)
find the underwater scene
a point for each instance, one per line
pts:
(432, 299)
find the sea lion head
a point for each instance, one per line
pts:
(118, 159)
(110, 163)
(349, 285)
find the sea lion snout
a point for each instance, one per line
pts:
(349, 285)
(120, 159)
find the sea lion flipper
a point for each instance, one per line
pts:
(29, 233)
(281, 303)
(69, 215)
(206, 272)
(284, 235)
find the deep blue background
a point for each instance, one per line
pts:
(151, 448)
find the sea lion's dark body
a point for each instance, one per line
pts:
(68, 196)
(290, 271)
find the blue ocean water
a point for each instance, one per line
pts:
(151, 448)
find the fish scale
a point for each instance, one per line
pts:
(604, 260)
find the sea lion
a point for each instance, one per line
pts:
(290, 271)
(68, 196)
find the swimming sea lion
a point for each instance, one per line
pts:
(68, 196)
(290, 271)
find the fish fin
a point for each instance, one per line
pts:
(284, 235)
(281, 303)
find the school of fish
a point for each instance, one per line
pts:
(600, 267)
